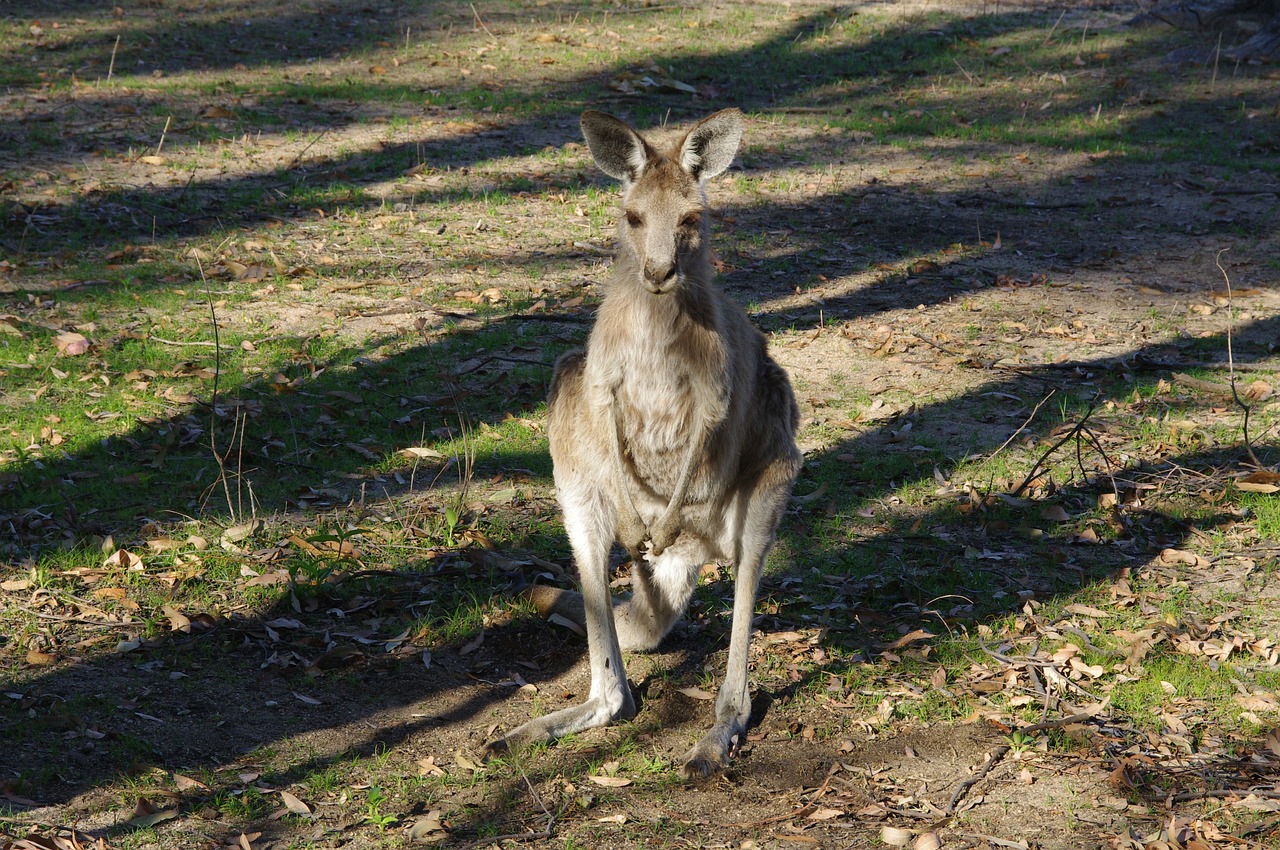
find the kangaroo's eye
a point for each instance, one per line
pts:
(692, 220)
(634, 219)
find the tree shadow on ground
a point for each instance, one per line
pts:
(383, 690)
(803, 73)
(243, 679)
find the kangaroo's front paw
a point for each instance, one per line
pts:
(631, 533)
(663, 534)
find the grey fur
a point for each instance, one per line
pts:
(673, 433)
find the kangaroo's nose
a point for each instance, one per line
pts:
(658, 275)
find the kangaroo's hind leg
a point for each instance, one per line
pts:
(589, 519)
(760, 508)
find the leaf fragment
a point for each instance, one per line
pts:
(293, 804)
(697, 693)
(429, 828)
(71, 344)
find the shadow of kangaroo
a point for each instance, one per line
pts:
(672, 433)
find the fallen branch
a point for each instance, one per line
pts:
(58, 618)
(1248, 446)
(1187, 796)
(1031, 476)
(1022, 426)
(197, 342)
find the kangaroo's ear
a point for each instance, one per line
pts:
(618, 150)
(709, 147)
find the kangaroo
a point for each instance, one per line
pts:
(673, 433)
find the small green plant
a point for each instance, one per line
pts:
(1020, 742)
(451, 520)
(373, 813)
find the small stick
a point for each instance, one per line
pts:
(1026, 482)
(163, 133)
(1049, 37)
(112, 67)
(181, 342)
(800, 812)
(1213, 82)
(1005, 444)
(1231, 377)
(480, 22)
(967, 75)
(1185, 796)
(1001, 751)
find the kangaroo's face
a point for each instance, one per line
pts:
(664, 205)
(663, 222)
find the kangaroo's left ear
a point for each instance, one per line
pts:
(709, 147)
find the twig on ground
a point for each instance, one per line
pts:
(1053, 28)
(1088, 643)
(303, 152)
(78, 620)
(111, 68)
(1186, 796)
(991, 839)
(1031, 476)
(803, 810)
(1020, 428)
(195, 342)
(1248, 446)
(1203, 386)
(480, 23)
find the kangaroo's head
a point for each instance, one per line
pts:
(663, 202)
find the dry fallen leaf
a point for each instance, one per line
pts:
(71, 343)
(910, 637)
(610, 781)
(295, 805)
(1181, 556)
(1055, 513)
(697, 693)
(1086, 610)
(146, 815)
(463, 761)
(895, 836)
(178, 621)
(427, 767)
(472, 645)
(186, 783)
(428, 829)
(124, 558)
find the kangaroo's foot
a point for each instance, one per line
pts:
(711, 755)
(594, 712)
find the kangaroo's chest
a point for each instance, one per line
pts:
(657, 409)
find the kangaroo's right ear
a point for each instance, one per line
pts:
(618, 150)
